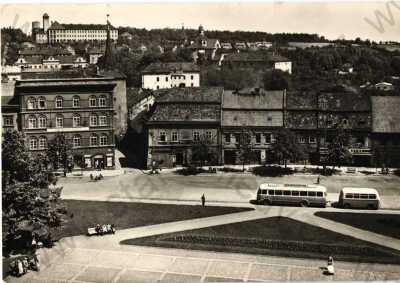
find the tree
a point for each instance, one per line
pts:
(202, 152)
(286, 147)
(245, 147)
(275, 80)
(29, 205)
(338, 152)
(59, 152)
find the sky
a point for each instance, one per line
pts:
(331, 19)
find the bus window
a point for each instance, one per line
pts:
(286, 193)
(295, 193)
(349, 195)
(271, 192)
(311, 194)
(364, 196)
(320, 194)
(372, 196)
(278, 193)
(356, 195)
(303, 194)
(263, 192)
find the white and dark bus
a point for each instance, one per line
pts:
(359, 198)
(295, 194)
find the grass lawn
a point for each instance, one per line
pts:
(84, 214)
(384, 224)
(278, 236)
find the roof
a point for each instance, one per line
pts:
(44, 51)
(297, 187)
(171, 67)
(385, 114)
(57, 25)
(260, 118)
(297, 100)
(210, 43)
(351, 190)
(191, 95)
(253, 99)
(135, 95)
(345, 101)
(255, 57)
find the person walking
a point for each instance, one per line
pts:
(203, 200)
(318, 180)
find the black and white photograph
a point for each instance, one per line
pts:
(200, 141)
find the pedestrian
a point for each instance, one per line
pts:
(203, 200)
(91, 177)
(318, 179)
(20, 267)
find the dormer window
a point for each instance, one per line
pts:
(204, 43)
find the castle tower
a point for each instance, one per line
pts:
(46, 22)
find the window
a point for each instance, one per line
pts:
(8, 120)
(228, 138)
(323, 104)
(76, 120)
(192, 85)
(42, 121)
(191, 77)
(302, 140)
(237, 138)
(75, 101)
(42, 142)
(278, 192)
(349, 196)
(92, 101)
(286, 193)
(163, 137)
(158, 87)
(364, 196)
(268, 138)
(312, 140)
(102, 120)
(258, 138)
(208, 135)
(271, 192)
(103, 140)
(59, 121)
(345, 122)
(312, 194)
(196, 136)
(33, 143)
(372, 196)
(295, 193)
(320, 194)
(59, 102)
(42, 103)
(166, 79)
(356, 195)
(158, 79)
(32, 122)
(31, 104)
(303, 194)
(269, 118)
(102, 101)
(93, 120)
(76, 141)
(174, 136)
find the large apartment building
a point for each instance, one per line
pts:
(80, 109)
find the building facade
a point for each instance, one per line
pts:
(257, 112)
(182, 118)
(204, 47)
(79, 32)
(80, 109)
(169, 75)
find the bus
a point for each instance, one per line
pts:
(298, 194)
(359, 198)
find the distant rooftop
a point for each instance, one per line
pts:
(57, 26)
(255, 57)
(170, 67)
(253, 99)
(190, 95)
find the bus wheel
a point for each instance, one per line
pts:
(267, 202)
(303, 203)
(346, 205)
